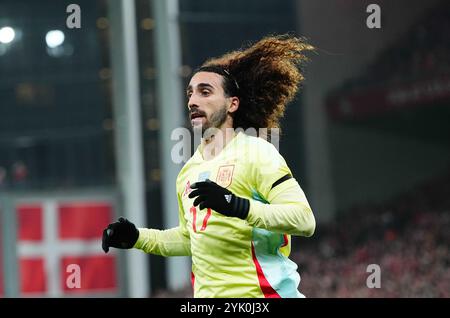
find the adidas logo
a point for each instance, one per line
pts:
(228, 197)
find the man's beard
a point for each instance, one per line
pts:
(217, 119)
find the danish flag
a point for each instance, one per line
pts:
(53, 235)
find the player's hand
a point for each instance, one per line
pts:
(209, 194)
(121, 234)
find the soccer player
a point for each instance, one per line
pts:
(238, 201)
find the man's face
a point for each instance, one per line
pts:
(207, 101)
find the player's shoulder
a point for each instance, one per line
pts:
(259, 153)
(259, 145)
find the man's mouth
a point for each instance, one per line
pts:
(197, 118)
(196, 115)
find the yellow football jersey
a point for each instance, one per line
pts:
(232, 257)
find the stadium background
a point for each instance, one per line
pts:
(85, 136)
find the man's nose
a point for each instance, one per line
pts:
(192, 103)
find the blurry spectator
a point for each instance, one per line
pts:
(3, 175)
(19, 172)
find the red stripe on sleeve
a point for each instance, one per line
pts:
(285, 240)
(267, 290)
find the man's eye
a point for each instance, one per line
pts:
(189, 94)
(205, 93)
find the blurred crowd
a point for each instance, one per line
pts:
(407, 237)
(421, 53)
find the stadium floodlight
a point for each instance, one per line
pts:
(54, 38)
(7, 35)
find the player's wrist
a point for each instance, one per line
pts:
(241, 207)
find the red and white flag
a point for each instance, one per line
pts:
(59, 242)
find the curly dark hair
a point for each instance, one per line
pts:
(265, 76)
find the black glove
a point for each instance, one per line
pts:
(211, 195)
(121, 234)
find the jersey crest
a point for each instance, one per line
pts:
(225, 175)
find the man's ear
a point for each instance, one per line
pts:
(234, 104)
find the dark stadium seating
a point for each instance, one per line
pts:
(407, 237)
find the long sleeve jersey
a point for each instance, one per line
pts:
(232, 257)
